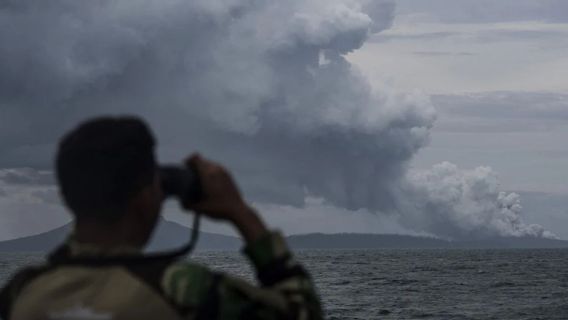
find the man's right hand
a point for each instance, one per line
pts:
(222, 200)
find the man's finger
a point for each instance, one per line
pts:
(193, 159)
(197, 162)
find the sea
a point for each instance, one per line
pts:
(415, 284)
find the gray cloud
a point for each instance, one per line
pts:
(442, 53)
(539, 36)
(497, 34)
(263, 87)
(26, 176)
(29, 202)
(435, 35)
(502, 111)
(487, 11)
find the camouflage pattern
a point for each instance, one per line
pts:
(180, 290)
(287, 291)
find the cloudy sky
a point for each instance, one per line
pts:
(496, 74)
(437, 117)
(496, 71)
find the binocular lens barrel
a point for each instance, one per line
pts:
(182, 183)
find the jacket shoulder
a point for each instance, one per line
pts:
(15, 285)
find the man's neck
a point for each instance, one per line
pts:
(106, 236)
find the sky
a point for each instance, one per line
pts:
(444, 118)
(496, 71)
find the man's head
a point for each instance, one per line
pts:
(107, 174)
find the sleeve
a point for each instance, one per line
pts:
(286, 291)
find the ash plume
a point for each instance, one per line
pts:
(464, 204)
(262, 85)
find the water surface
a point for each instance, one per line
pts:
(417, 284)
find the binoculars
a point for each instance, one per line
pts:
(181, 182)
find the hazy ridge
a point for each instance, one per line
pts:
(171, 235)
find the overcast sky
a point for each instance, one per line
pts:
(441, 117)
(496, 71)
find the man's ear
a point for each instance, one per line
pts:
(142, 205)
(142, 214)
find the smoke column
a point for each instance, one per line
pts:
(262, 85)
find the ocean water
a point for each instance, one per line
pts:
(416, 284)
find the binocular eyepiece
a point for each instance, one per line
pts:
(180, 182)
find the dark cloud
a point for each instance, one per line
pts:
(261, 86)
(204, 75)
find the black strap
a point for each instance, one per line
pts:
(62, 255)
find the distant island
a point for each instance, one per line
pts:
(170, 235)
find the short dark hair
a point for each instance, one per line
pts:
(102, 163)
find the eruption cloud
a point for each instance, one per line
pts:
(262, 85)
(464, 204)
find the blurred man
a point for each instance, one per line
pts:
(109, 180)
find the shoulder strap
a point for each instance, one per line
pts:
(12, 289)
(62, 255)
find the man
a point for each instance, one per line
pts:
(108, 178)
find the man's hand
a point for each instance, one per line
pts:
(222, 200)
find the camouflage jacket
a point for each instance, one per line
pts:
(88, 286)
